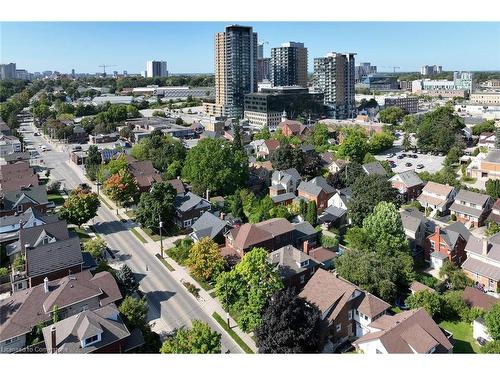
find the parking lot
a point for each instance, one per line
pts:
(430, 163)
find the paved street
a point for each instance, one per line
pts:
(171, 306)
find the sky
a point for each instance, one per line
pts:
(188, 46)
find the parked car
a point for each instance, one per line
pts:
(420, 166)
(481, 341)
(408, 164)
(37, 134)
(400, 156)
(415, 156)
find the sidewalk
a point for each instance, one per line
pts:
(207, 302)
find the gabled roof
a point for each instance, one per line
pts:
(452, 232)
(372, 306)
(408, 179)
(438, 189)
(208, 225)
(374, 168)
(27, 215)
(35, 194)
(276, 226)
(248, 235)
(20, 312)
(71, 331)
(476, 298)
(55, 256)
(475, 245)
(283, 197)
(472, 197)
(408, 332)
(272, 144)
(418, 287)
(290, 261)
(189, 201)
(178, 185)
(321, 255)
(316, 186)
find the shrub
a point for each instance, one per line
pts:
(192, 289)
(4, 271)
(329, 242)
(53, 187)
(180, 252)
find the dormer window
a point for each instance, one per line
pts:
(92, 339)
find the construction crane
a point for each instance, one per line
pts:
(392, 67)
(104, 66)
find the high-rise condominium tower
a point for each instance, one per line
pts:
(334, 76)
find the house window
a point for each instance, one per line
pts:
(378, 351)
(19, 208)
(432, 245)
(187, 223)
(91, 340)
(85, 307)
(338, 327)
(349, 315)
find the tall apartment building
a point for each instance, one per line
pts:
(235, 70)
(8, 71)
(363, 70)
(334, 76)
(289, 65)
(156, 69)
(430, 70)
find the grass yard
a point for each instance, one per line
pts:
(56, 198)
(139, 237)
(155, 237)
(202, 283)
(130, 214)
(84, 236)
(233, 334)
(462, 334)
(165, 263)
(105, 203)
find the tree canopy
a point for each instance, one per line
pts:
(205, 260)
(391, 115)
(156, 205)
(354, 146)
(214, 165)
(200, 339)
(439, 130)
(80, 207)
(289, 325)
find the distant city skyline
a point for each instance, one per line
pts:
(188, 47)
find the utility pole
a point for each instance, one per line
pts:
(161, 238)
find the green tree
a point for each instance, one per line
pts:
(156, 205)
(406, 141)
(493, 228)
(367, 192)
(391, 115)
(121, 187)
(311, 213)
(354, 146)
(319, 135)
(380, 141)
(80, 207)
(492, 320)
(235, 204)
(205, 260)
(430, 301)
(493, 188)
(439, 130)
(247, 287)
(237, 142)
(453, 156)
(484, 127)
(92, 162)
(200, 339)
(215, 166)
(289, 325)
(346, 175)
(112, 167)
(95, 247)
(287, 157)
(492, 347)
(126, 280)
(264, 134)
(134, 311)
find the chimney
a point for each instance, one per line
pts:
(46, 285)
(222, 215)
(306, 247)
(208, 194)
(53, 341)
(485, 247)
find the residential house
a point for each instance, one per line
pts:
(324, 257)
(374, 168)
(178, 185)
(409, 332)
(16, 157)
(294, 266)
(483, 262)
(408, 183)
(416, 287)
(284, 199)
(336, 165)
(487, 139)
(143, 172)
(103, 138)
(16, 175)
(9, 144)
(333, 216)
(188, 208)
(286, 181)
(10, 225)
(417, 227)
(209, 225)
(346, 310)
(437, 197)
(471, 208)
(267, 148)
(91, 331)
(22, 199)
(494, 215)
(474, 297)
(447, 244)
(317, 190)
(341, 198)
(70, 295)
(304, 233)
(294, 128)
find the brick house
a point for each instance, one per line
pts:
(494, 215)
(346, 310)
(16, 175)
(267, 148)
(293, 128)
(408, 184)
(471, 207)
(316, 190)
(447, 243)
(18, 201)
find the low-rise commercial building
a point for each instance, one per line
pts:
(408, 104)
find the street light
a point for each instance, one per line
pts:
(97, 184)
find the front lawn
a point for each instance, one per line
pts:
(462, 334)
(155, 237)
(56, 198)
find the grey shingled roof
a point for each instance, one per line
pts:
(25, 216)
(472, 197)
(475, 245)
(484, 269)
(315, 186)
(374, 168)
(493, 156)
(208, 225)
(55, 256)
(408, 178)
(38, 194)
(70, 331)
(288, 260)
(189, 201)
(283, 197)
(452, 232)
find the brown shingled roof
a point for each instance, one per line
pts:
(475, 298)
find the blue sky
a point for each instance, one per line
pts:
(188, 46)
